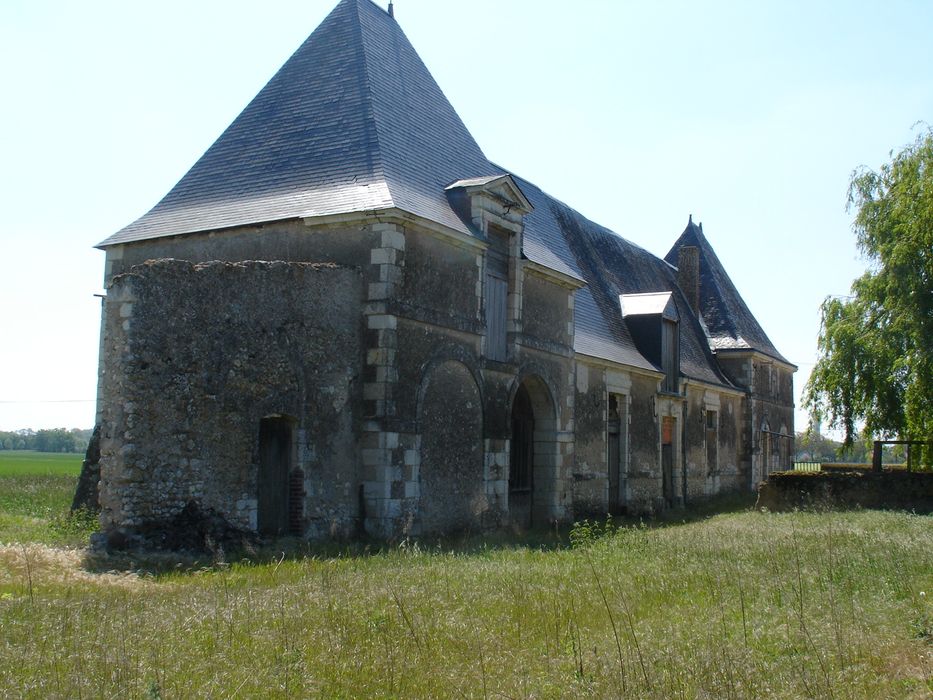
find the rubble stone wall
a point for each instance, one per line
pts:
(196, 355)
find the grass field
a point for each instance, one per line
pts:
(36, 489)
(735, 605)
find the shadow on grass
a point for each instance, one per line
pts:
(271, 551)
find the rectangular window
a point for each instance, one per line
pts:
(497, 296)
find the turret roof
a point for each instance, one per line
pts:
(729, 323)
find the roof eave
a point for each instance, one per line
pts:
(749, 352)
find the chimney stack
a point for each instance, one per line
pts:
(391, 9)
(688, 275)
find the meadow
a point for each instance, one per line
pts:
(36, 489)
(739, 604)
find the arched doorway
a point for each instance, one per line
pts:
(278, 492)
(533, 454)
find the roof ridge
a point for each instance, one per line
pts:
(555, 200)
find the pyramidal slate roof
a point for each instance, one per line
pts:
(352, 122)
(729, 323)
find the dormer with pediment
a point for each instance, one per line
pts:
(494, 208)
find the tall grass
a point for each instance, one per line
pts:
(736, 606)
(35, 497)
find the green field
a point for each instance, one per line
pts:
(26, 463)
(36, 489)
(732, 605)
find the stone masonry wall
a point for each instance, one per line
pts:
(196, 356)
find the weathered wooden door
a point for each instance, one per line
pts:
(667, 459)
(275, 453)
(521, 465)
(497, 294)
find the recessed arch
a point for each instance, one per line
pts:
(446, 353)
(451, 490)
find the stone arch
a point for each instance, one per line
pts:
(534, 456)
(447, 353)
(450, 420)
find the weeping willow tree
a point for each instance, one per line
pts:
(875, 365)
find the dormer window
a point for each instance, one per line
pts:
(497, 296)
(653, 321)
(494, 207)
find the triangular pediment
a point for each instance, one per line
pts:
(501, 188)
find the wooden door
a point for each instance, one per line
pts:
(667, 459)
(521, 463)
(275, 451)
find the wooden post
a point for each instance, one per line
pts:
(876, 456)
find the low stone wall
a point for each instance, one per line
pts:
(892, 490)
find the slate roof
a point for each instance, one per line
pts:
(613, 266)
(729, 322)
(354, 122)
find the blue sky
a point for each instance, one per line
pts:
(750, 116)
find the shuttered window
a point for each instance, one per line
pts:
(497, 297)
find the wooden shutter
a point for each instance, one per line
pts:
(497, 298)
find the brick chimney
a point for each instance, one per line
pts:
(688, 275)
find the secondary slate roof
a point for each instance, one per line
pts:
(729, 322)
(613, 266)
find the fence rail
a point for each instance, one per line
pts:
(808, 466)
(843, 466)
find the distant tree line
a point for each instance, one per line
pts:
(46, 440)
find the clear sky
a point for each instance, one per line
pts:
(749, 115)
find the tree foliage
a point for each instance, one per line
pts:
(875, 365)
(46, 440)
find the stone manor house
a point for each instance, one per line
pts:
(345, 318)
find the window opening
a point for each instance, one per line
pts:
(497, 295)
(279, 490)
